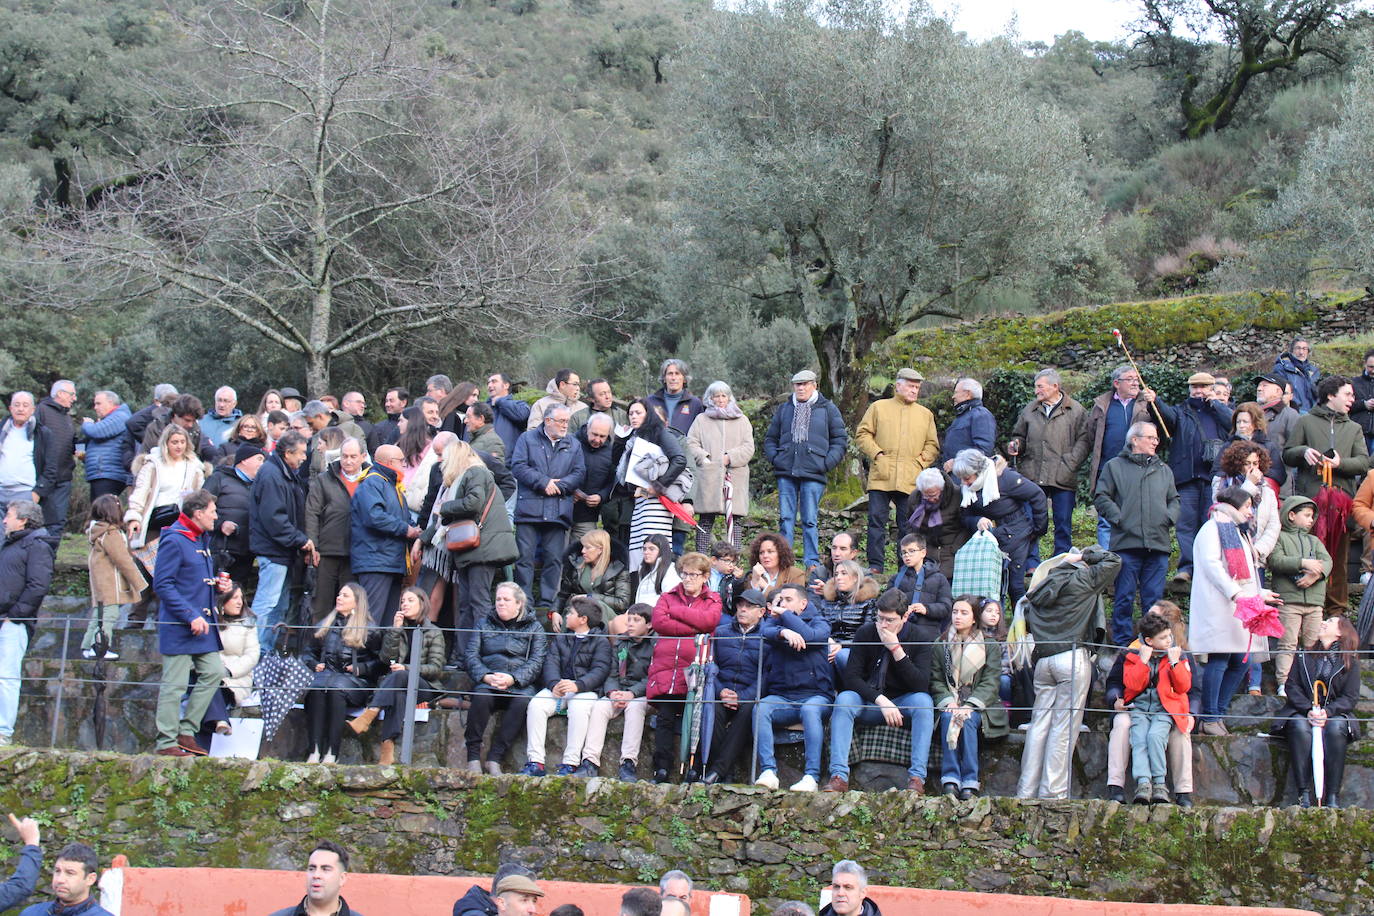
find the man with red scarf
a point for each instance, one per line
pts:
(187, 637)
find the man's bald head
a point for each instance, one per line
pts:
(389, 456)
(442, 441)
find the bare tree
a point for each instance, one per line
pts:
(328, 185)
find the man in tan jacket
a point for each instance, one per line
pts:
(898, 436)
(1051, 440)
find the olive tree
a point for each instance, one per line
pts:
(1323, 221)
(870, 172)
(319, 185)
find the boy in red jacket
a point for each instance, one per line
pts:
(1157, 678)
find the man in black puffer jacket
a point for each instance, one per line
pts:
(577, 663)
(26, 563)
(232, 486)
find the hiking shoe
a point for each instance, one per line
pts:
(660, 776)
(1142, 794)
(1160, 794)
(628, 771)
(967, 792)
(532, 769)
(1183, 799)
(565, 769)
(586, 770)
(768, 779)
(1116, 794)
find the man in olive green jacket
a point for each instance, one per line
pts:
(1051, 440)
(1327, 437)
(898, 436)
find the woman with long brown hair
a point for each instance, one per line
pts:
(1323, 688)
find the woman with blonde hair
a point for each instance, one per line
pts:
(162, 478)
(465, 491)
(345, 667)
(596, 574)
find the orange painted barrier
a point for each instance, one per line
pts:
(126, 891)
(907, 901)
(257, 892)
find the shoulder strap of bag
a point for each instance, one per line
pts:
(487, 508)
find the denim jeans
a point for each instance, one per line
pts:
(1193, 498)
(269, 604)
(960, 765)
(55, 507)
(1221, 677)
(880, 506)
(811, 712)
(14, 642)
(1104, 534)
(1150, 726)
(1142, 571)
(1061, 506)
(916, 708)
(811, 492)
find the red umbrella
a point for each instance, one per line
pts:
(679, 511)
(1333, 508)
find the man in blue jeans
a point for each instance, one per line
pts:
(886, 681)
(805, 441)
(798, 682)
(1136, 496)
(276, 531)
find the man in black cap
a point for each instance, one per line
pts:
(738, 647)
(1280, 416)
(231, 486)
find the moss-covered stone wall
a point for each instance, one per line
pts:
(770, 845)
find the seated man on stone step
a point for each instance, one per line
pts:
(885, 681)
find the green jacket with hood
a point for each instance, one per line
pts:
(1285, 560)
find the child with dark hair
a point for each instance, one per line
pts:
(1157, 678)
(575, 668)
(727, 576)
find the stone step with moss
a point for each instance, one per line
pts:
(773, 846)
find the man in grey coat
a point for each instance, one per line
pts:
(1137, 497)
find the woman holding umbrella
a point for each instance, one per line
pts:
(1323, 688)
(1225, 575)
(722, 442)
(663, 457)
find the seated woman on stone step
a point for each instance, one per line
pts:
(238, 636)
(390, 695)
(505, 659)
(965, 671)
(1323, 688)
(345, 666)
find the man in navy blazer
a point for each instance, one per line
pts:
(185, 582)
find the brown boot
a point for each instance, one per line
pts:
(364, 720)
(387, 756)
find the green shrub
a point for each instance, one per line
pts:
(574, 351)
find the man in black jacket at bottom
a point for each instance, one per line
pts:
(325, 874)
(849, 891)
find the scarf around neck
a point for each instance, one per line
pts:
(730, 411)
(986, 484)
(1233, 547)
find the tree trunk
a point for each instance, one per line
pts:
(317, 374)
(62, 182)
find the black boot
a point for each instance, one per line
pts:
(1331, 800)
(1304, 798)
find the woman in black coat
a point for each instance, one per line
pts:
(1323, 688)
(935, 515)
(650, 517)
(998, 501)
(505, 659)
(345, 669)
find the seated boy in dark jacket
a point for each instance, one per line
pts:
(576, 665)
(624, 690)
(798, 682)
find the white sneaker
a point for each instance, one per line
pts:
(1283, 690)
(111, 654)
(328, 758)
(768, 779)
(313, 758)
(805, 784)
(1364, 578)
(88, 653)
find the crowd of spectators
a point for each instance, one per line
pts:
(539, 555)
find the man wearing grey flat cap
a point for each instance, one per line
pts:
(805, 441)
